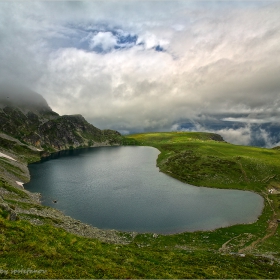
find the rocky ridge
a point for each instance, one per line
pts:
(28, 118)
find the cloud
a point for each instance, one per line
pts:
(263, 135)
(149, 40)
(140, 65)
(265, 119)
(241, 135)
(103, 40)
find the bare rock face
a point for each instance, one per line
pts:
(26, 116)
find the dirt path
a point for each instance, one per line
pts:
(270, 231)
(224, 248)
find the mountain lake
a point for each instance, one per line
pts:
(121, 188)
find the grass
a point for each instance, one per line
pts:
(13, 170)
(191, 158)
(22, 150)
(57, 254)
(24, 205)
(18, 192)
(29, 251)
(197, 159)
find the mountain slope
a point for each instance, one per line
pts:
(41, 238)
(26, 116)
(29, 129)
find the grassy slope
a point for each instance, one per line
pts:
(196, 159)
(192, 158)
(188, 255)
(63, 255)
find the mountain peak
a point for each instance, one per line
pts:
(23, 98)
(26, 115)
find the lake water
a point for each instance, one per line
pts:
(121, 188)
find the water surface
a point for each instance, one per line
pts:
(121, 188)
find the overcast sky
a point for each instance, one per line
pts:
(151, 65)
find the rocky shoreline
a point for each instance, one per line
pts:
(20, 204)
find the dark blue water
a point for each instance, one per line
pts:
(121, 188)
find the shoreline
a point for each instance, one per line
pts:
(175, 232)
(36, 196)
(26, 205)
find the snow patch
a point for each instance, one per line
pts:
(5, 156)
(20, 183)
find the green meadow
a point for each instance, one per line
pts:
(200, 159)
(203, 159)
(195, 158)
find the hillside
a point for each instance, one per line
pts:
(29, 130)
(41, 242)
(203, 159)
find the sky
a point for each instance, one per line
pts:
(139, 66)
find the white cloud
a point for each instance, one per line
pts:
(269, 140)
(105, 40)
(150, 40)
(240, 136)
(265, 119)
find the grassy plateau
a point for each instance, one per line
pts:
(200, 159)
